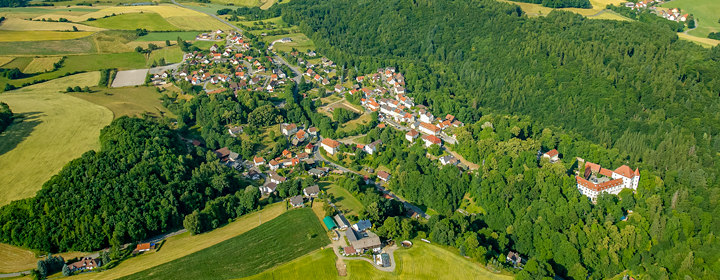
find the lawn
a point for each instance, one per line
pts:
(706, 12)
(82, 45)
(18, 36)
(299, 41)
(344, 199)
(41, 64)
(171, 54)
(468, 203)
(317, 265)
(14, 259)
(205, 45)
(149, 21)
(348, 126)
(275, 242)
(74, 63)
(127, 101)
(172, 36)
(185, 244)
(17, 24)
(55, 129)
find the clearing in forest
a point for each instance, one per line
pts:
(54, 129)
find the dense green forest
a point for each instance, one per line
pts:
(625, 92)
(142, 182)
(6, 116)
(585, 4)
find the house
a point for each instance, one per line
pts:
(429, 128)
(297, 201)
(288, 129)
(311, 191)
(144, 247)
(309, 148)
(431, 140)
(252, 174)
(268, 188)
(222, 152)
(275, 178)
(411, 135)
(341, 222)
(514, 258)
(285, 40)
(597, 180)
(214, 48)
(552, 155)
(349, 251)
(372, 147)
(86, 263)
(301, 135)
(233, 156)
(382, 175)
(371, 242)
(316, 172)
(286, 154)
(362, 225)
(311, 54)
(258, 161)
(330, 145)
(273, 164)
(303, 156)
(448, 160)
(339, 88)
(325, 82)
(313, 131)
(318, 78)
(399, 90)
(426, 117)
(234, 131)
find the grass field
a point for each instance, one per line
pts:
(149, 21)
(171, 54)
(223, 3)
(16, 24)
(210, 8)
(199, 22)
(18, 36)
(74, 63)
(706, 13)
(539, 10)
(14, 259)
(127, 101)
(41, 64)
(344, 199)
(204, 44)
(316, 265)
(19, 63)
(172, 36)
(469, 205)
(56, 128)
(185, 244)
(348, 126)
(278, 241)
(31, 12)
(705, 42)
(181, 18)
(299, 42)
(611, 15)
(77, 46)
(5, 59)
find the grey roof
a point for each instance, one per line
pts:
(362, 225)
(341, 221)
(315, 171)
(296, 200)
(367, 242)
(234, 155)
(271, 186)
(351, 235)
(312, 189)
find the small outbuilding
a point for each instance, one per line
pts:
(329, 223)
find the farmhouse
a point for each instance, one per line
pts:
(86, 263)
(597, 180)
(297, 201)
(330, 145)
(144, 247)
(382, 175)
(311, 191)
(362, 225)
(341, 222)
(372, 242)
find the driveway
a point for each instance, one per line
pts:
(340, 244)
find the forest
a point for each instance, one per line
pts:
(608, 91)
(6, 116)
(142, 182)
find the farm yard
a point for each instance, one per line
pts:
(280, 240)
(128, 101)
(41, 64)
(55, 128)
(130, 78)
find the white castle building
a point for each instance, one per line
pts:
(597, 180)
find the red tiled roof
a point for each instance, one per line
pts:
(432, 139)
(625, 171)
(331, 143)
(598, 187)
(412, 133)
(552, 153)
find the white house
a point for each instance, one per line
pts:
(268, 188)
(411, 135)
(330, 145)
(382, 175)
(431, 140)
(426, 117)
(552, 155)
(275, 178)
(597, 180)
(258, 161)
(372, 147)
(288, 129)
(448, 160)
(429, 128)
(311, 191)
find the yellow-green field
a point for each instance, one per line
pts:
(55, 129)
(41, 64)
(14, 259)
(198, 22)
(132, 21)
(705, 42)
(185, 244)
(539, 10)
(422, 261)
(16, 24)
(247, 3)
(351, 125)
(171, 54)
(31, 12)
(17, 36)
(610, 15)
(706, 13)
(267, 4)
(127, 101)
(5, 59)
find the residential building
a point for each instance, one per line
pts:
(309, 148)
(316, 172)
(222, 153)
(297, 201)
(86, 263)
(426, 117)
(268, 188)
(431, 140)
(330, 145)
(288, 129)
(273, 164)
(372, 147)
(275, 178)
(552, 155)
(597, 180)
(258, 161)
(384, 176)
(412, 135)
(449, 159)
(429, 128)
(362, 225)
(144, 247)
(514, 258)
(301, 135)
(311, 191)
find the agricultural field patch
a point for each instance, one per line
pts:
(706, 13)
(5, 59)
(610, 15)
(149, 21)
(24, 36)
(299, 42)
(705, 42)
(317, 265)
(199, 22)
(31, 12)
(241, 3)
(75, 46)
(14, 259)
(212, 8)
(55, 128)
(539, 10)
(129, 101)
(129, 78)
(171, 55)
(41, 64)
(172, 36)
(19, 63)
(285, 238)
(16, 24)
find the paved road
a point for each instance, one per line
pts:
(296, 70)
(212, 15)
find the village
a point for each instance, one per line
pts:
(673, 14)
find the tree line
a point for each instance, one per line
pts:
(6, 116)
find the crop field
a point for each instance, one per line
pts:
(198, 22)
(171, 54)
(55, 129)
(14, 259)
(317, 265)
(705, 42)
(76, 46)
(181, 245)
(5, 59)
(212, 8)
(539, 10)
(19, 62)
(280, 240)
(172, 36)
(267, 4)
(299, 41)
(181, 18)
(129, 101)
(16, 24)
(706, 13)
(41, 64)
(129, 78)
(343, 198)
(49, 11)
(149, 21)
(17, 36)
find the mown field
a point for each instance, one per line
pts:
(19, 62)
(14, 259)
(344, 199)
(317, 265)
(299, 41)
(149, 21)
(41, 64)
(610, 15)
(706, 13)
(48, 11)
(181, 18)
(245, 3)
(172, 36)
(539, 10)
(280, 240)
(128, 101)
(55, 129)
(185, 244)
(16, 24)
(76, 46)
(171, 54)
